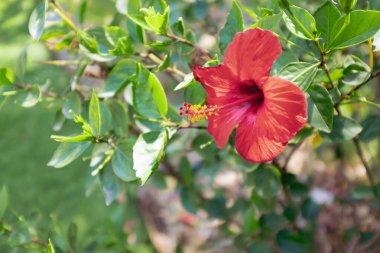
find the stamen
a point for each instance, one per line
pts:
(198, 112)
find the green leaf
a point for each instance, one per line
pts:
(187, 81)
(300, 22)
(82, 10)
(250, 222)
(68, 152)
(78, 74)
(86, 128)
(22, 63)
(326, 16)
(371, 128)
(165, 63)
(136, 32)
(149, 98)
(300, 73)
(123, 47)
(110, 185)
(293, 242)
(188, 199)
(356, 71)
(119, 114)
(376, 42)
(3, 201)
(50, 247)
(119, 40)
(122, 6)
(94, 115)
(88, 43)
(271, 223)
(120, 76)
(234, 24)
(320, 108)
(77, 138)
(266, 181)
(31, 97)
(179, 27)
(156, 21)
(362, 26)
(261, 247)
(37, 21)
(344, 129)
(72, 104)
(6, 77)
(122, 161)
(272, 23)
(361, 191)
(310, 209)
(301, 135)
(195, 94)
(148, 152)
(185, 171)
(72, 234)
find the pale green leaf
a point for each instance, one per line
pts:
(68, 152)
(234, 24)
(148, 152)
(95, 119)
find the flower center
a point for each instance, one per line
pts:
(201, 112)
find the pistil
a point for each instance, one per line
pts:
(203, 112)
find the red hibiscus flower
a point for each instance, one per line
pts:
(268, 111)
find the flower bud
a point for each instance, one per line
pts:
(347, 5)
(284, 4)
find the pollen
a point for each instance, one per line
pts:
(196, 113)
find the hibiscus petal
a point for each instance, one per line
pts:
(221, 126)
(218, 81)
(284, 110)
(252, 145)
(222, 88)
(251, 54)
(263, 135)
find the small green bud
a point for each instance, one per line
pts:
(284, 4)
(347, 5)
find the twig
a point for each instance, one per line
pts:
(62, 14)
(188, 43)
(356, 88)
(158, 61)
(294, 149)
(360, 153)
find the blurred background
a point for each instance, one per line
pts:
(55, 199)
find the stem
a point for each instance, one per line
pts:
(188, 43)
(360, 153)
(371, 56)
(348, 95)
(283, 171)
(154, 58)
(325, 68)
(61, 13)
(323, 62)
(180, 40)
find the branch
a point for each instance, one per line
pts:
(356, 88)
(158, 61)
(187, 43)
(360, 153)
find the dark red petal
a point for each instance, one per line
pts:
(263, 136)
(220, 126)
(251, 54)
(222, 88)
(252, 145)
(284, 110)
(217, 80)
